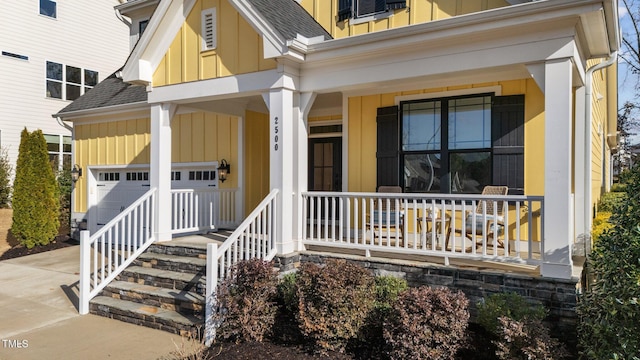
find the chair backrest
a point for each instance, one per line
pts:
(493, 190)
(389, 189)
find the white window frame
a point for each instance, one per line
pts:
(209, 38)
(64, 82)
(60, 153)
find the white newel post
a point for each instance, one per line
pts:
(84, 286)
(281, 176)
(160, 172)
(579, 158)
(558, 222)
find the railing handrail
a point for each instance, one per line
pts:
(115, 267)
(122, 214)
(247, 221)
(204, 189)
(423, 196)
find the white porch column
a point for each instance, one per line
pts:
(160, 172)
(558, 220)
(281, 102)
(580, 171)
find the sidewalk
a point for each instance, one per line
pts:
(39, 317)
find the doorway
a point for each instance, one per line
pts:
(325, 164)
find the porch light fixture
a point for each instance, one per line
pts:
(223, 170)
(76, 173)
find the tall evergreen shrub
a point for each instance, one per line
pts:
(36, 200)
(609, 311)
(5, 179)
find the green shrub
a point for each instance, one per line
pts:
(247, 301)
(511, 305)
(618, 187)
(600, 225)
(65, 184)
(5, 179)
(609, 201)
(526, 339)
(334, 301)
(371, 342)
(609, 311)
(427, 323)
(36, 200)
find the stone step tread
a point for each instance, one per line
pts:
(156, 291)
(173, 258)
(146, 310)
(165, 274)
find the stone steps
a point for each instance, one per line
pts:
(162, 289)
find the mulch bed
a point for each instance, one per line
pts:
(61, 241)
(266, 351)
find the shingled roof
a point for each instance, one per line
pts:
(109, 92)
(289, 18)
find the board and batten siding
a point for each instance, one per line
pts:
(239, 48)
(196, 137)
(417, 11)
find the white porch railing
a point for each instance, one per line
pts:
(507, 228)
(112, 248)
(254, 238)
(197, 210)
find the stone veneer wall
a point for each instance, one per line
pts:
(558, 296)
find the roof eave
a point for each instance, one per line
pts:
(104, 110)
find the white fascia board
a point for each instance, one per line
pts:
(219, 88)
(427, 63)
(274, 42)
(155, 41)
(530, 14)
(105, 110)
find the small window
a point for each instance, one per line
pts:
(364, 8)
(48, 8)
(74, 81)
(54, 80)
(15, 56)
(209, 41)
(142, 26)
(90, 79)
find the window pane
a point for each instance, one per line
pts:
(470, 172)
(90, 77)
(48, 8)
(421, 126)
(142, 26)
(73, 92)
(66, 161)
(54, 71)
(422, 172)
(74, 75)
(470, 123)
(66, 143)
(54, 89)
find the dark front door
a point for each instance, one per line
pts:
(325, 174)
(325, 164)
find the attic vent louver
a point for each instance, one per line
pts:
(209, 38)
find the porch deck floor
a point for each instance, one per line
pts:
(200, 240)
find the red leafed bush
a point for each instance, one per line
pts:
(526, 339)
(334, 302)
(427, 323)
(246, 301)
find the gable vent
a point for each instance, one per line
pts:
(209, 29)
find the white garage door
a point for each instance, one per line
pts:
(119, 188)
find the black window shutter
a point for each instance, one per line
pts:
(396, 4)
(344, 9)
(507, 133)
(388, 144)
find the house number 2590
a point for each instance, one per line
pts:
(276, 138)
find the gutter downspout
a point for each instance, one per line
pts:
(61, 123)
(587, 138)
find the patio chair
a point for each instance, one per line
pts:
(491, 225)
(377, 218)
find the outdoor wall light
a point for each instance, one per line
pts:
(223, 170)
(76, 173)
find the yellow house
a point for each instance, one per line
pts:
(316, 104)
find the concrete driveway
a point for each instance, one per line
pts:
(39, 317)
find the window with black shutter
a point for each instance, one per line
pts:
(362, 8)
(452, 145)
